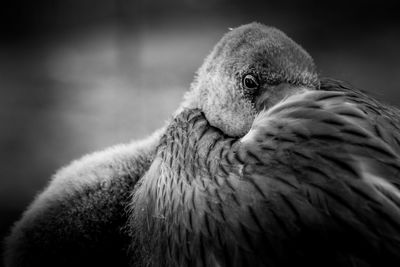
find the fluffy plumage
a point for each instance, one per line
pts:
(78, 219)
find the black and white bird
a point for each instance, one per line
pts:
(264, 164)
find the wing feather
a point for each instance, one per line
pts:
(314, 182)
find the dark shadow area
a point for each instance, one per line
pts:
(78, 76)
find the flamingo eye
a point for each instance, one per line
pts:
(250, 82)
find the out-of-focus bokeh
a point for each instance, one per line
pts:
(80, 75)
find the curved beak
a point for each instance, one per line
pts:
(270, 95)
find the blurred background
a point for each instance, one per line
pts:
(80, 75)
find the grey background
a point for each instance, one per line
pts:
(78, 76)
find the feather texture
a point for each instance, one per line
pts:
(312, 183)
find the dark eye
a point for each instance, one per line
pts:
(250, 82)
